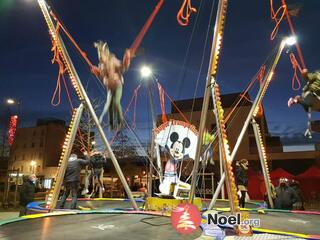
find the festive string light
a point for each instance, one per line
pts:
(12, 129)
(264, 154)
(56, 42)
(62, 157)
(226, 150)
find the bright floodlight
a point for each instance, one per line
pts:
(10, 101)
(145, 72)
(33, 163)
(291, 40)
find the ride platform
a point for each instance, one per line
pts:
(166, 205)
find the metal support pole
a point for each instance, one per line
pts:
(253, 111)
(212, 183)
(216, 193)
(221, 169)
(262, 156)
(16, 189)
(66, 151)
(213, 64)
(101, 187)
(83, 97)
(222, 134)
(155, 152)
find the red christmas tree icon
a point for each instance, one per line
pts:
(185, 221)
(185, 218)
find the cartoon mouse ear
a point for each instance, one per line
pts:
(174, 137)
(186, 142)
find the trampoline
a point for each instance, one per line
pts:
(121, 204)
(114, 218)
(94, 226)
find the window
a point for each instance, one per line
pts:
(42, 132)
(32, 145)
(34, 133)
(30, 168)
(15, 157)
(47, 183)
(21, 168)
(41, 143)
(24, 145)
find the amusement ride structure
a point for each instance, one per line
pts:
(180, 139)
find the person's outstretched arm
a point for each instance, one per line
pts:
(86, 161)
(126, 60)
(96, 71)
(309, 77)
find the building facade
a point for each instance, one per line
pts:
(37, 149)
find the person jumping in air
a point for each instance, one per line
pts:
(110, 71)
(310, 97)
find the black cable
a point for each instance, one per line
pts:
(143, 220)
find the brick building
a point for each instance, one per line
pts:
(37, 149)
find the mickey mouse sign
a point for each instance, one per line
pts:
(180, 140)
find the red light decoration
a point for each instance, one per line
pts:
(12, 129)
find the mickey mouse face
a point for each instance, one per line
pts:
(177, 147)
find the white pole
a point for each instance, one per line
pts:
(254, 108)
(213, 64)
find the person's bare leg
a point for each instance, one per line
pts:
(117, 106)
(308, 132)
(111, 113)
(106, 106)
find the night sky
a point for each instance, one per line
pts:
(26, 72)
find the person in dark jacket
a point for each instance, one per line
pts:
(72, 179)
(285, 195)
(242, 179)
(27, 193)
(299, 204)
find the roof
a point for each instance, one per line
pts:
(227, 101)
(46, 121)
(312, 172)
(280, 173)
